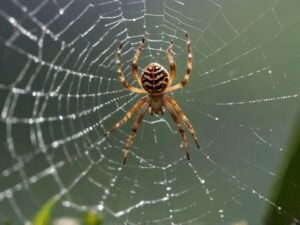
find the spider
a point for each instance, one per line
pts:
(155, 82)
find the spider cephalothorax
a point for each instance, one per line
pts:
(156, 82)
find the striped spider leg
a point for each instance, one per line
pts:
(188, 68)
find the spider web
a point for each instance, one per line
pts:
(60, 92)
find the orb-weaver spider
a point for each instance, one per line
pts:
(156, 82)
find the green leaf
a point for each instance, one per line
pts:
(43, 216)
(91, 218)
(286, 195)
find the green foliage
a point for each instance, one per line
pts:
(6, 222)
(91, 218)
(285, 194)
(43, 216)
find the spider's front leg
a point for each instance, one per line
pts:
(136, 59)
(121, 75)
(172, 63)
(188, 68)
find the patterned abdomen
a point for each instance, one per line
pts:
(155, 78)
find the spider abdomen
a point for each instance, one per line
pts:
(155, 78)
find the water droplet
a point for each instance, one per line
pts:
(100, 207)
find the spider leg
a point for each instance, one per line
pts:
(185, 120)
(135, 60)
(121, 75)
(181, 130)
(128, 115)
(134, 130)
(171, 62)
(188, 68)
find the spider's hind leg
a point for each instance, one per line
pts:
(181, 130)
(127, 116)
(185, 120)
(134, 130)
